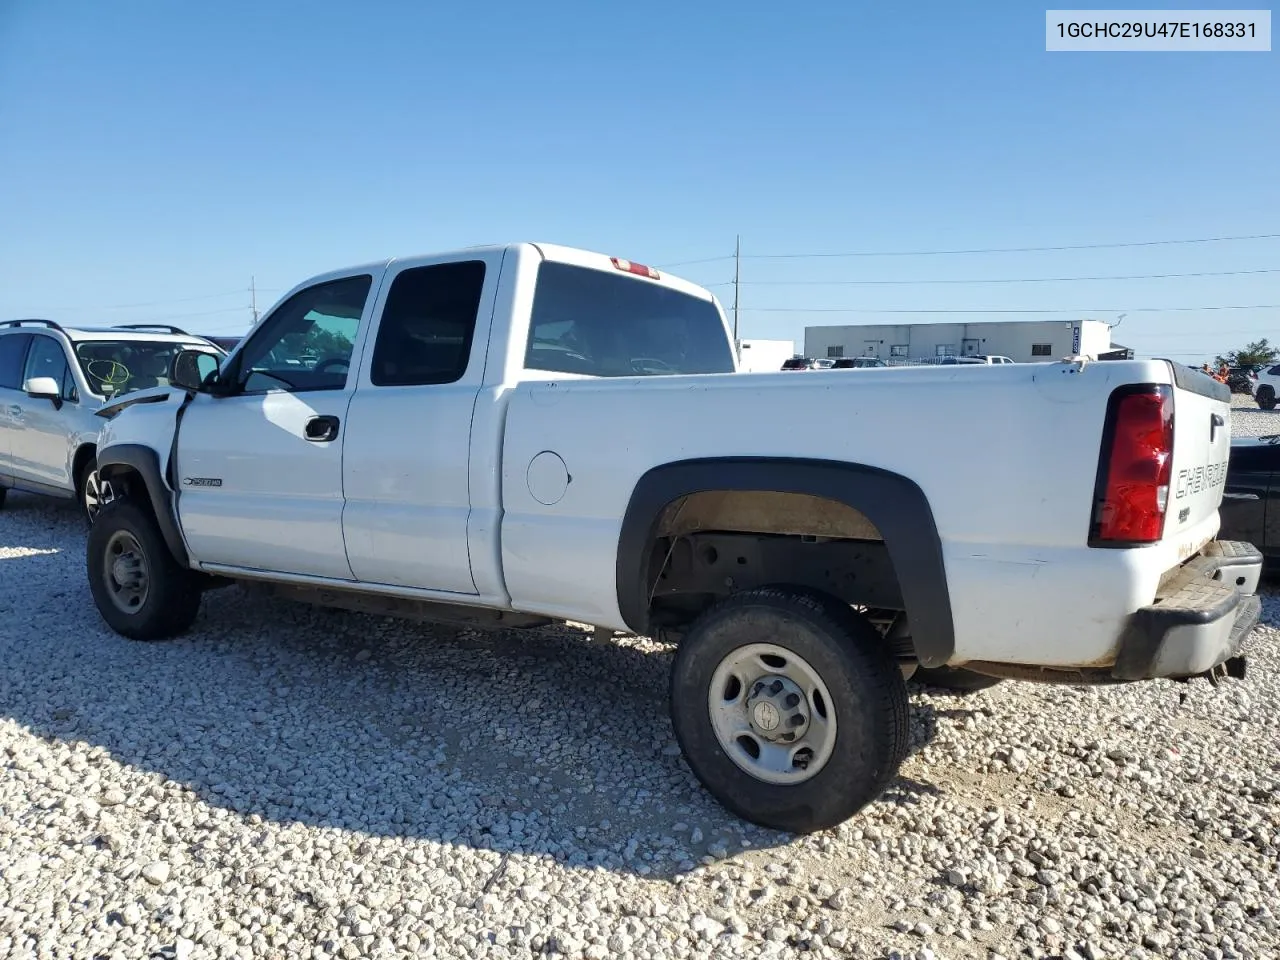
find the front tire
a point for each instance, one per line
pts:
(789, 709)
(92, 491)
(140, 590)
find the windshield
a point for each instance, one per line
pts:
(602, 324)
(116, 367)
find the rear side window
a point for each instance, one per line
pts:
(13, 352)
(605, 324)
(428, 324)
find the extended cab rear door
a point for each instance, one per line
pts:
(407, 461)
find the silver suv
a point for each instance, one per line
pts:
(52, 381)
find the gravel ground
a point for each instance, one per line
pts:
(1248, 420)
(291, 782)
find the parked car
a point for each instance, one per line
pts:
(1251, 499)
(444, 460)
(856, 363)
(991, 358)
(1244, 378)
(806, 363)
(226, 343)
(1267, 387)
(52, 381)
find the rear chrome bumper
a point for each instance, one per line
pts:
(1200, 618)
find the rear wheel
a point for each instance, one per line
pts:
(789, 709)
(955, 678)
(1266, 397)
(139, 589)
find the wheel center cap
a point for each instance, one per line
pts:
(765, 716)
(125, 570)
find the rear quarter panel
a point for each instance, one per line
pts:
(1006, 454)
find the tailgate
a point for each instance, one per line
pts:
(1201, 447)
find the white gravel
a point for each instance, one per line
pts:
(288, 782)
(1248, 420)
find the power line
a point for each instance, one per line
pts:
(150, 303)
(1134, 276)
(690, 263)
(977, 250)
(206, 313)
(1109, 310)
(1069, 246)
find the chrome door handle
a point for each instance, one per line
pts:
(1240, 496)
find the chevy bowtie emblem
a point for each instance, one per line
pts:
(202, 481)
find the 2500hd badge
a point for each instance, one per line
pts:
(1193, 480)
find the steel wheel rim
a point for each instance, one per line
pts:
(125, 572)
(772, 714)
(97, 494)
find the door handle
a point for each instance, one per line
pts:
(1216, 420)
(1240, 496)
(320, 429)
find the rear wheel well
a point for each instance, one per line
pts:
(711, 544)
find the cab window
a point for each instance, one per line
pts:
(307, 342)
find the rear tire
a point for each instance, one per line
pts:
(140, 590)
(1266, 398)
(956, 679)
(750, 673)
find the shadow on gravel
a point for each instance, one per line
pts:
(534, 741)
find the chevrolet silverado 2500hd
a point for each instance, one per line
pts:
(524, 433)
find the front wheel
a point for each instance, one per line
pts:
(1266, 398)
(789, 709)
(92, 491)
(139, 589)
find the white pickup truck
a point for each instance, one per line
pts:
(517, 434)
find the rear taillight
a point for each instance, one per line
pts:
(1132, 489)
(637, 268)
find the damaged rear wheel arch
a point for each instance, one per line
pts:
(868, 503)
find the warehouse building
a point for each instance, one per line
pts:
(1021, 341)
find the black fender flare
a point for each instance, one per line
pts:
(144, 461)
(895, 504)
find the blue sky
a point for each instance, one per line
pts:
(160, 154)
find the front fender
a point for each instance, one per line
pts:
(124, 458)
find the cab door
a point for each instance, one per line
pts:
(407, 460)
(259, 462)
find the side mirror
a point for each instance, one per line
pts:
(44, 388)
(192, 369)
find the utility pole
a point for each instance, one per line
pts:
(737, 275)
(253, 298)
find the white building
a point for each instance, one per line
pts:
(1023, 341)
(759, 356)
